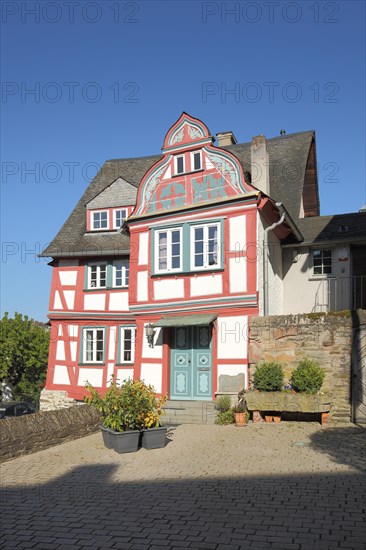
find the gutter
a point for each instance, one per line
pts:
(83, 253)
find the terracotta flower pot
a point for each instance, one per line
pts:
(240, 419)
(268, 418)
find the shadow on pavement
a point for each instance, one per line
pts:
(88, 509)
(342, 445)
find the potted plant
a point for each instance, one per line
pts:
(240, 410)
(308, 377)
(119, 409)
(153, 434)
(240, 414)
(268, 377)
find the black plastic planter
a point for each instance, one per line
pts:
(153, 438)
(106, 437)
(125, 442)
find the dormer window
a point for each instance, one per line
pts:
(100, 220)
(196, 163)
(179, 164)
(119, 218)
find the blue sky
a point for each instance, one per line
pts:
(109, 78)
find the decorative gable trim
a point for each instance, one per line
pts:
(186, 130)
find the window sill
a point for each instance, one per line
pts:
(106, 288)
(210, 271)
(125, 365)
(321, 277)
(188, 173)
(92, 364)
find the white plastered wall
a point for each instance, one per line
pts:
(304, 293)
(275, 275)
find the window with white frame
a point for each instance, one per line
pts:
(196, 161)
(93, 345)
(205, 246)
(127, 344)
(97, 275)
(99, 220)
(322, 261)
(168, 250)
(121, 273)
(119, 218)
(179, 164)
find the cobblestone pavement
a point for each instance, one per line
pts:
(283, 486)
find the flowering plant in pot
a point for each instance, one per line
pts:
(120, 409)
(149, 419)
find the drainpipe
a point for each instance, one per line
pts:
(266, 257)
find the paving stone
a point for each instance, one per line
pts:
(212, 487)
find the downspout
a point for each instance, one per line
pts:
(266, 257)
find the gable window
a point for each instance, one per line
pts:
(119, 218)
(179, 164)
(322, 261)
(127, 344)
(121, 272)
(196, 161)
(97, 275)
(168, 250)
(100, 220)
(93, 345)
(205, 241)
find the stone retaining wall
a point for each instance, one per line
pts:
(34, 432)
(325, 338)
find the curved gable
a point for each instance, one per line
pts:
(203, 174)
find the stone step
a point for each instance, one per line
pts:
(189, 412)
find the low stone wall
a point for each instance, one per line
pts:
(53, 400)
(34, 432)
(325, 338)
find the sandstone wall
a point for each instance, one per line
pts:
(34, 432)
(325, 338)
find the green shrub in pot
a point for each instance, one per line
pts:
(268, 377)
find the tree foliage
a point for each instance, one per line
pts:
(23, 353)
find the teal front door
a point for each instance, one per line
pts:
(191, 363)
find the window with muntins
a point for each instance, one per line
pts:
(121, 273)
(205, 241)
(119, 218)
(97, 275)
(127, 344)
(168, 250)
(322, 261)
(100, 220)
(190, 248)
(93, 345)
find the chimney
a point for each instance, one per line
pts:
(260, 164)
(226, 138)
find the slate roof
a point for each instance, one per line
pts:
(288, 158)
(340, 228)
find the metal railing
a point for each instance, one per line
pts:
(337, 294)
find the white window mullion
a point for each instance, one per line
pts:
(93, 344)
(127, 344)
